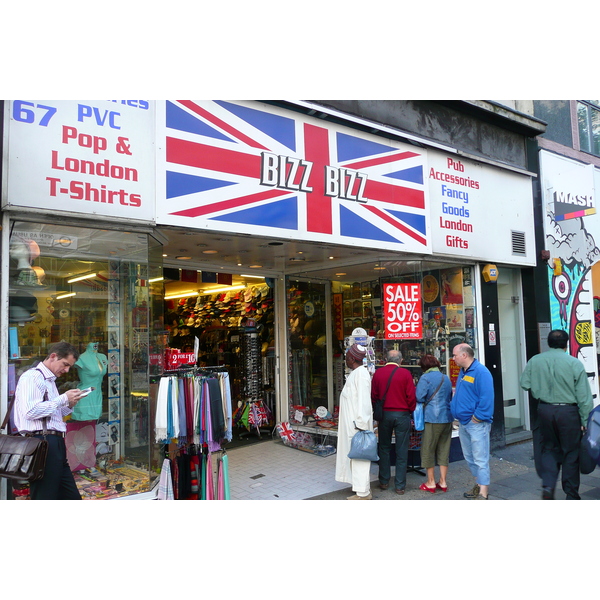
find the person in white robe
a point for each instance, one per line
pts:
(356, 413)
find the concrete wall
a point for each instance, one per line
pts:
(462, 126)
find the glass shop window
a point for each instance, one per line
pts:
(95, 289)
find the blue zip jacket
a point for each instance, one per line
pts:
(474, 395)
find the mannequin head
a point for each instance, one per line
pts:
(20, 251)
(92, 347)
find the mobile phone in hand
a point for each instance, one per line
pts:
(87, 391)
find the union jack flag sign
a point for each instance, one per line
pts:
(250, 168)
(285, 431)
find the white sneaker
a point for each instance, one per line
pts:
(357, 497)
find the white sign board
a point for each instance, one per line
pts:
(83, 157)
(475, 209)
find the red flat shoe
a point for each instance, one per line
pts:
(439, 487)
(426, 489)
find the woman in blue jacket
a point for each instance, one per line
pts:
(435, 390)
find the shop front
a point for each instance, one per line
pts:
(245, 244)
(333, 214)
(81, 263)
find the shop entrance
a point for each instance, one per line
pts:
(516, 417)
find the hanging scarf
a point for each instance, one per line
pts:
(196, 475)
(220, 482)
(211, 441)
(205, 405)
(184, 483)
(217, 419)
(203, 470)
(225, 463)
(197, 409)
(160, 422)
(170, 429)
(210, 488)
(165, 484)
(174, 408)
(182, 421)
(189, 408)
(226, 395)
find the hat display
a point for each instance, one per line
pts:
(22, 307)
(227, 308)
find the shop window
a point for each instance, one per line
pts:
(307, 345)
(447, 314)
(588, 119)
(92, 288)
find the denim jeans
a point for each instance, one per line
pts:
(475, 444)
(397, 422)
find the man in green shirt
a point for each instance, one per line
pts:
(560, 384)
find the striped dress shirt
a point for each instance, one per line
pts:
(30, 408)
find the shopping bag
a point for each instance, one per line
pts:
(419, 417)
(363, 446)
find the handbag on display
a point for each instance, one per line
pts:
(22, 458)
(363, 446)
(378, 407)
(419, 412)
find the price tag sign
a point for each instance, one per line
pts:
(402, 311)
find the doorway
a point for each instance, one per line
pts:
(516, 415)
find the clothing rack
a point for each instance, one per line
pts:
(193, 420)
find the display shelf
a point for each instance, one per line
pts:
(315, 429)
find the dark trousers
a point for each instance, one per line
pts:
(396, 422)
(57, 482)
(560, 430)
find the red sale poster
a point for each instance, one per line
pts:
(402, 308)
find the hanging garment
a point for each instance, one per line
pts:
(196, 475)
(175, 478)
(204, 477)
(210, 489)
(225, 463)
(217, 420)
(226, 395)
(189, 408)
(165, 485)
(173, 420)
(212, 443)
(182, 421)
(197, 408)
(184, 479)
(160, 421)
(220, 482)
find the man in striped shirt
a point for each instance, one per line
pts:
(38, 405)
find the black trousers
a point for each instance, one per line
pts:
(560, 429)
(57, 482)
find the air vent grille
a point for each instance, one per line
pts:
(518, 243)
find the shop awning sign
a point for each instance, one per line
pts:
(256, 169)
(402, 307)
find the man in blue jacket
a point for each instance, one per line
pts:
(473, 407)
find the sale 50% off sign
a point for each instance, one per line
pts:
(402, 311)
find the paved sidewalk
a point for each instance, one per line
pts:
(513, 477)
